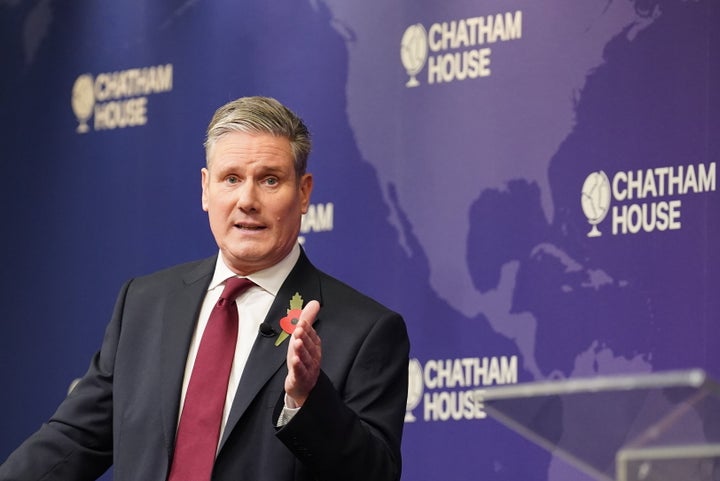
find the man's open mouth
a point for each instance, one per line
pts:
(249, 226)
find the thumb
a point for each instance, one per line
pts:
(310, 312)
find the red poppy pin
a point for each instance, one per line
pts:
(290, 322)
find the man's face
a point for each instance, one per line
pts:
(253, 199)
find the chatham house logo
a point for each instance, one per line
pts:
(116, 100)
(457, 49)
(443, 390)
(644, 200)
(595, 200)
(414, 52)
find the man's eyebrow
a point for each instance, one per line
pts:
(271, 169)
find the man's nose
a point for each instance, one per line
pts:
(247, 196)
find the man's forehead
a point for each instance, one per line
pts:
(244, 147)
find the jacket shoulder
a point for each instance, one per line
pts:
(175, 276)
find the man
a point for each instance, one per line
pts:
(294, 407)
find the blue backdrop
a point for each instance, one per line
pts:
(470, 150)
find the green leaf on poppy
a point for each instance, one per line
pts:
(296, 302)
(283, 335)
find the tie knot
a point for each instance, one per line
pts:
(235, 286)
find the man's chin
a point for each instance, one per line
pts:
(245, 261)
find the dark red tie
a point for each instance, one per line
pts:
(199, 429)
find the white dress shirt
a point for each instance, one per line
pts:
(253, 306)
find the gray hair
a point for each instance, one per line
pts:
(262, 115)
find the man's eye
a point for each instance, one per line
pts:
(271, 181)
(232, 179)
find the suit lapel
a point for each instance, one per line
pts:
(182, 308)
(265, 358)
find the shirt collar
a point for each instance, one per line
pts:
(270, 279)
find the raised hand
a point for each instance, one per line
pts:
(303, 357)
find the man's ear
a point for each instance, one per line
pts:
(205, 179)
(306, 186)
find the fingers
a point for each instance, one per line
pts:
(304, 356)
(304, 352)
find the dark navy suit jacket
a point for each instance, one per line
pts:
(124, 411)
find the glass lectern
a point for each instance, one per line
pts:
(661, 426)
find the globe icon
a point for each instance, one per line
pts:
(83, 101)
(595, 200)
(415, 388)
(413, 52)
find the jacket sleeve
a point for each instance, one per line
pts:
(355, 434)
